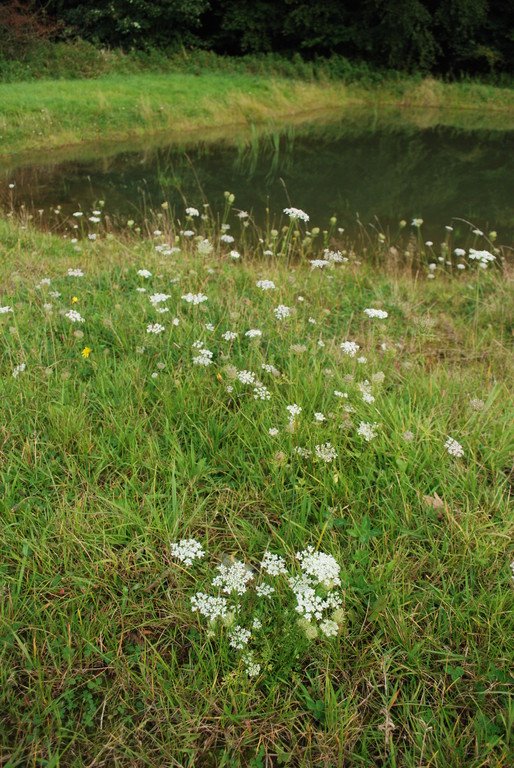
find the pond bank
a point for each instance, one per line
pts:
(51, 114)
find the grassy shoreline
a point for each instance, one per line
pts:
(50, 114)
(119, 441)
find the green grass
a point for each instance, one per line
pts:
(103, 465)
(51, 114)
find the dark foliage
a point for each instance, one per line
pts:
(445, 37)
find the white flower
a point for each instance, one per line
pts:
(187, 550)
(318, 416)
(281, 312)
(235, 255)
(294, 410)
(18, 369)
(246, 377)
(4, 310)
(350, 348)
(303, 452)
(367, 431)
(296, 213)
(269, 369)
(252, 668)
(227, 239)
(74, 316)
(238, 637)
(319, 263)
(204, 247)
(158, 298)
(209, 326)
(195, 298)
(273, 431)
(242, 215)
(204, 357)
(481, 256)
(188, 233)
(264, 590)
(261, 393)
(337, 393)
(144, 273)
(229, 335)
(266, 285)
(210, 607)
(329, 628)
(273, 564)
(253, 333)
(233, 577)
(75, 273)
(459, 252)
(324, 568)
(416, 223)
(380, 313)
(454, 448)
(326, 452)
(192, 212)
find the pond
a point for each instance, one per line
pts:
(362, 166)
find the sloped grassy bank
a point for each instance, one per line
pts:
(238, 396)
(50, 114)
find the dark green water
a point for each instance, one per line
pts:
(380, 169)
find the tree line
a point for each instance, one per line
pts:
(444, 37)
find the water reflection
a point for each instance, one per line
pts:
(362, 163)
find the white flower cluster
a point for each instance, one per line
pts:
(193, 212)
(281, 312)
(154, 328)
(246, 377)
(454, 448)
(266, 285)
(233, 577)
(319, 263)
(204, 247)
(367, 430)
(294, 410)
(261, 393)
(141, 272)
(253, 333)
(381, 314)
(194, 298)
(296, 213)
(210, 607)
(313, 592)
(204, 356)
(273, 564)
(326, 452)
(187, 550)
(229, 335)
(4, 310)
(18, 369)
(239, 637)
(74, 316)
(159, 298)
(334, 257)
(350, 348)
(322, 567)
(482, 257)
(75, 273)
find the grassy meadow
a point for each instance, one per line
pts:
(51, 114)
(246, 520)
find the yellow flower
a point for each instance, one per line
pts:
(86, 351)
(74, 300)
